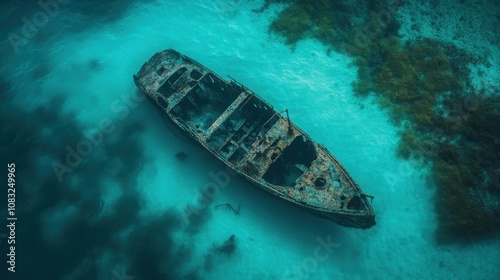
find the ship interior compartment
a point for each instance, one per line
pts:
(206, 101)
(162, 102)
(235, 136)
(176, 81)
(355, 203)
(295, 159)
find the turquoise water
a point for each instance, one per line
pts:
(120, 212)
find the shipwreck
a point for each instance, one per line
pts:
(246, 133)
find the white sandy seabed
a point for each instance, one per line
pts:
(274, 239)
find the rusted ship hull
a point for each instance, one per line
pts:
(247, 134)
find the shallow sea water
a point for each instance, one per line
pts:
(91, 65)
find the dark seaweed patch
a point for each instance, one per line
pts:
(37, 21)
(139, 247)
(94, 65)
(425, 87)
(218, 250)
(343, 25)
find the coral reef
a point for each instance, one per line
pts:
(425, 86)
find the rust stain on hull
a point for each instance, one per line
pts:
(247, 134)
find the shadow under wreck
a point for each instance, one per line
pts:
(248, 135)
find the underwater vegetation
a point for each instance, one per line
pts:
(93, 227)
(444, 124)
(335, 23)
(425, 86)
(322, 19)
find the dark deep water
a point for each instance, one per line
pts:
(102, 185)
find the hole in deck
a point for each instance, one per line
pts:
(162, 103)
(173, 83)
(320, 183)
(195, 75)
(205, 102)
(242, 129)
(283, 170)
(354, 203)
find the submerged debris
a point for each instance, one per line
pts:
(229, 207)
(181, 156)
(95, 65)
(227, 248)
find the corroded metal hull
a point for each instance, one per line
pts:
(247, 134)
